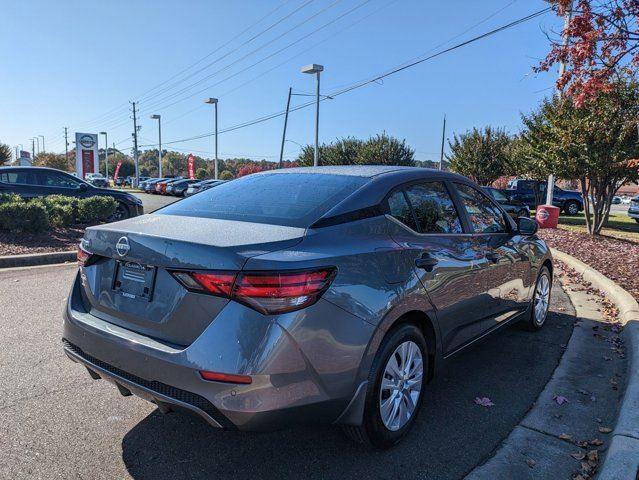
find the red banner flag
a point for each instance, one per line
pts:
(117, 170)
(191, 166)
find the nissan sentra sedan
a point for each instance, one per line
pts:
(326, 294)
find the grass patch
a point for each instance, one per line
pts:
(619, 225)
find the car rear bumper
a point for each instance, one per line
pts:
(286, 387)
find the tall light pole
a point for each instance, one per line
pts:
(159, 119)
(33, 151)
(37, 139)
(214, 102)
(313, 68)
(43, 149)
(106, 155)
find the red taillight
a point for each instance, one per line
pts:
(266, 292)
(83, 256)
(225, 377)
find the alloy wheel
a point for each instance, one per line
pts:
(401, 385)
(542, 298)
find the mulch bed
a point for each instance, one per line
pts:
(56, 240)
(615, 258)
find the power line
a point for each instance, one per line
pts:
(374, 79)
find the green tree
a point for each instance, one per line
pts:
(378, 150)
(5, 153)
(596, 144)
(385, 150)
(480, 154)
(225, 175)
(201, 173)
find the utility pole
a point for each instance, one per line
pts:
(441, 156)
(37, 144)
(562, 69)
(43, 149)
(135, 145)
(33, 149)
(288, 105)
(66, 144)
(106, 155)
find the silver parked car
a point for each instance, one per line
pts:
(328, 294)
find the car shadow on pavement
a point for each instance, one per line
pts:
(452, 434)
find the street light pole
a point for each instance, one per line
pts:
(315, 69)
(43, 149)
(106, 155)
(214, 102)
(37, 139)
(159, 119)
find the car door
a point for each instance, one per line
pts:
(505, 277)
(447, 260)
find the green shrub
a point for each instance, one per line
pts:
(96, 209)
(9, 197)
(62, 210)
(24, 217)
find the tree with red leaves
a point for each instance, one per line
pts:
(598, 45)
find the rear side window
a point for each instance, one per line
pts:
(398, 207)
(484, 216)
(288, 199)
(434, 208)
(20, 177)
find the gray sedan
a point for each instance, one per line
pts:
(329, 294)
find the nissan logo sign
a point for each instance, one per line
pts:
(87, 141)
(543, 215)
(122, 247)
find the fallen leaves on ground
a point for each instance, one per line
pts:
(56, 240)
(484, 402)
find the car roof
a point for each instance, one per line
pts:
(46, 169)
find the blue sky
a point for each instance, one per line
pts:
(79, 63)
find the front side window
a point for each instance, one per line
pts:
(483, 215)
(54, 179)
(434, 208)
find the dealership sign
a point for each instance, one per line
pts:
(25, 158)
(86, 154)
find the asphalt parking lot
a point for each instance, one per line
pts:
(55, 422)
(153, 202)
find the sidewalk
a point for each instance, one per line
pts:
(566, 432)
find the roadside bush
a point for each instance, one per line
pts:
(62, 210)
(96, 209)
(9, 197)
(24, 217)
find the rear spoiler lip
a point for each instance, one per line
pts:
(352, 216)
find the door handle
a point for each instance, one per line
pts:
(492, 257)
(426, 262)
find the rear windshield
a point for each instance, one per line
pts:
(289, 199)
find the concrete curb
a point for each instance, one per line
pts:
(33, 259)
(622, 458)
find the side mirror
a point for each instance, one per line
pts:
(527, 226)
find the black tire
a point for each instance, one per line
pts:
(121, 213)
(373, 432)
(572, 208)
(531, 322)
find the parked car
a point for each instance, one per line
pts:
(160, 187)
(513, 207)
(325, 294)
(178, 188)
(97, 180)
(529, 192)
(149, 185)
(616, 200)
(633, 210)
(143, 183)
(201, 186)
(31, 182)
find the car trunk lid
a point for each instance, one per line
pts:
(129, 281)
